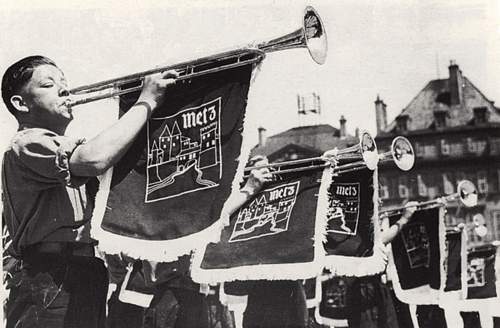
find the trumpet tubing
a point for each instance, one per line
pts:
(306, 164)
(466, 193)
(360, 156)
(311, 35)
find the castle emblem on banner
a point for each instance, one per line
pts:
(475, 273)
(267, 214)
(343, 209)
(184, 154)
(416, 241)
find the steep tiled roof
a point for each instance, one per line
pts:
(320, 138)
(435, 96)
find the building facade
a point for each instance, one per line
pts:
(455, 133)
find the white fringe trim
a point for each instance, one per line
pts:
(423, 295)
(153, 250)
(228, 299)
(463, 258)
(486, 320)
(287, 271)
(328, 321)
(450, 297)
(133, 297)
(164, 250)
(486, 305)
(413, 315)
(246, 147)
(340, 265)
(278, 271)
(453, 317)
(321, 224)
(316, 300)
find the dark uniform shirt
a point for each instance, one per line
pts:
(42, 202)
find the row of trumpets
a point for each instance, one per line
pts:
(360, 156)
(364, 155)
(311, 35)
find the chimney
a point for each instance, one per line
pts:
(342, 126)
(300, 105)
(319, 104)
(262, 136)
(356, 133)
(455, 83)
(380, 114)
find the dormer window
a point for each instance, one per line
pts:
(480, 115)
(440, 118)
(402, 123)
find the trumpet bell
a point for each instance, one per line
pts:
(312, 35)
(369, 151)
(402, 153)
(480, 225)
(315, 35)
(467, 192)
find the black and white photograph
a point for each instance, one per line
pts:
(235, 163)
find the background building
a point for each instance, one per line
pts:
(455, 132)
(304, 141)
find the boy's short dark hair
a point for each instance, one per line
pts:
(17, 75)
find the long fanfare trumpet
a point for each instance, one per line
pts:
(364, 154)
(466, 193)
(478, 226)
(401, 153)
(360, 156)
(311, 35)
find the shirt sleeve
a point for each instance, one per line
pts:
(46, 155)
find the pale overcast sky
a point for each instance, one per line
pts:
(391, 48)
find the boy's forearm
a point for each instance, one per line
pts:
(103, 151)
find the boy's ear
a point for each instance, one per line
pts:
(19, 104)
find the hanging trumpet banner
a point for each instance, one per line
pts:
(277, 234)
(165, 196)
(481, 277)
(454, 268)
(481, 285)
(415, 264)
(352, 215)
